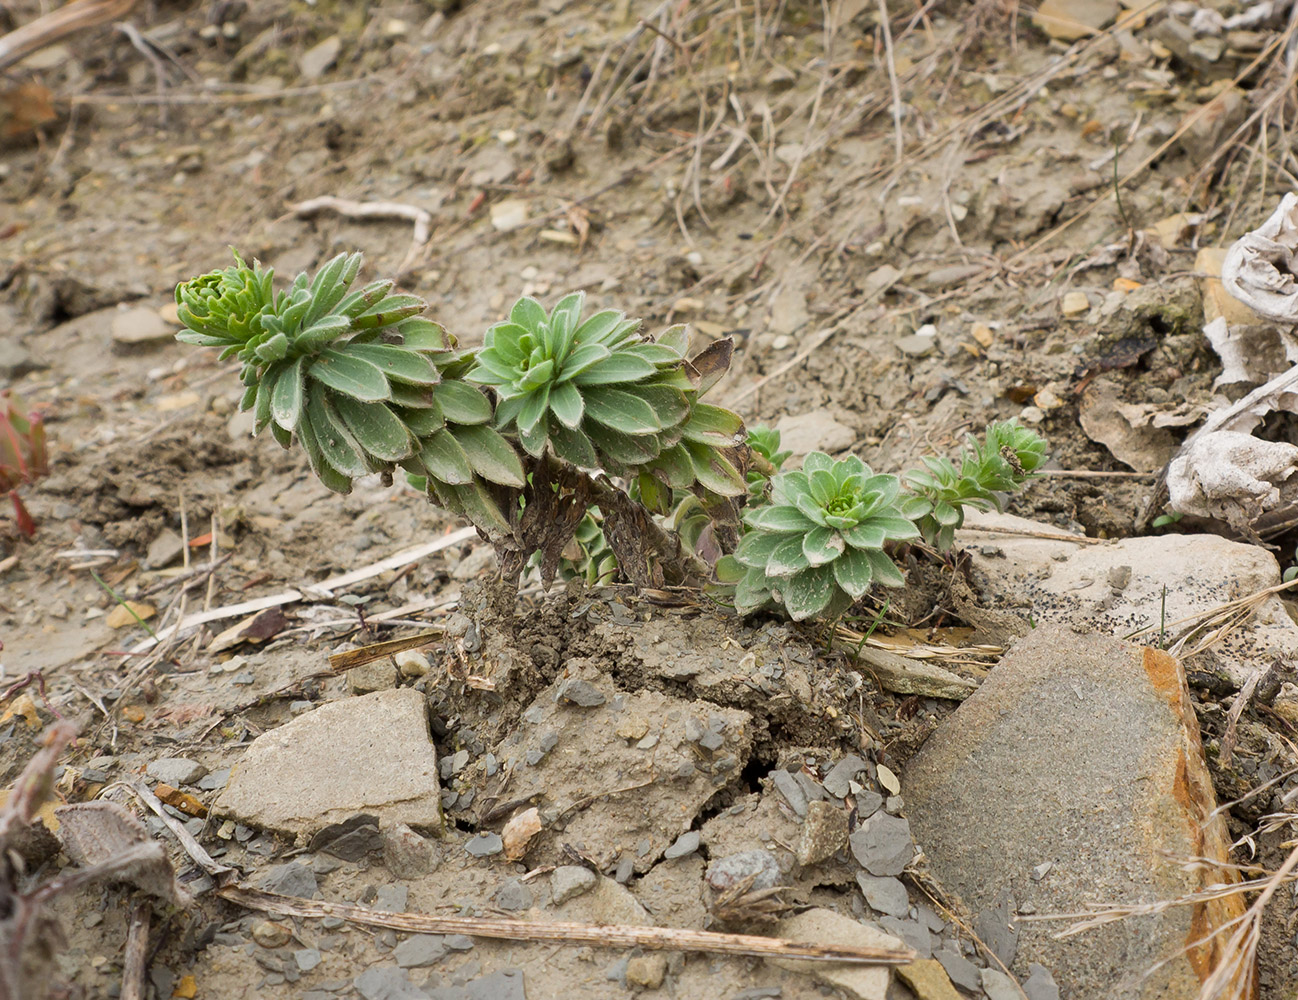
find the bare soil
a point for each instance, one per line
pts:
(734, 166)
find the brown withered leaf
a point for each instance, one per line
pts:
(24, 108)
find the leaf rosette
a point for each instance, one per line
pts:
(1007, 456)
(600, 395)
(359, 378)
(818, 546)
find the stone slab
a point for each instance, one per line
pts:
(1082, 751)
(1118, 587)
(360, 755)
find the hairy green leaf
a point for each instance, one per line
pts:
(376, 428)
(350, 376)
(490, 455)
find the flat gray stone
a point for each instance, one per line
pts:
(1081, 750)
(816, 430)
(163, 549)
(419, 950)
(141, 326)
(176, 771)
(999, 986)
(884, 895)
(484, 845)
(962, 971)
(307, 959)
(289, 879)
(788, 786)
(387, 982)
(883, 844)
(1040, 984)
(512, 895)
(504, 984)
(837, 781)
(686, 843)
(392, 898)
(581, 693)
(569, 881)
(912, 932)
(320, 768)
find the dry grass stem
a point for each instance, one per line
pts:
(605, 936)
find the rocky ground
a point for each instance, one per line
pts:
(974, 214)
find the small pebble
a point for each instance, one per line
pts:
(686, 843)
(269, 934)
(484, 845)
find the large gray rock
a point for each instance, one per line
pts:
(1118, 587)
(1082, 751)
(360, 755)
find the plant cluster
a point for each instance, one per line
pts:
(24, 456)
(580, 442)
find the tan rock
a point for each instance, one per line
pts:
(1067, 719)
(1074, 304)
(825, 927)
(1069, 20)
(1216, 300)
(129, 613)
(928, 979)
(320, 768)
(647, 971)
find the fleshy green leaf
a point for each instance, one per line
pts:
(817, 460)
(885, 570)
(564, 316)
(594, 329)
(670, 405)
(714, 471)
(621, 448)
(419, 334)
(780, 518)
(715, 426)
(621, 411)
(581, 358)
(490, 455)
(755, 548)
(462, 404)
(376, 428)
(866, 536)
(752, 592)
(529, 417)
(326, 473)
(444, 459)
(822, 545)
(787, 558)
(807, 594)
(676, 464)
(854, 572)
(566, 404)
(677, 338)
(287, 399)
(424, 421)
(527, 313)
(397, 363)
(389, 310)
(619, 367)
(350, 376)
(476, 504)
(335, 442)
(573, 445)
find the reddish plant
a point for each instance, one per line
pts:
(23, 455)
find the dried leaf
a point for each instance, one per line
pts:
(1261, 267)
(103, 835)
(518, 833)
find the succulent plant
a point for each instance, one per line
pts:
(600, 395)
(818, 546)
(360, 379)
(767, 459)
(1001, 462)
